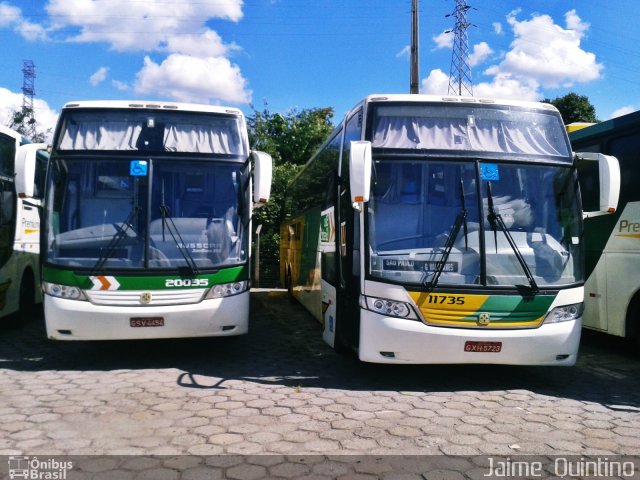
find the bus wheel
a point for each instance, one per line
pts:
(633, 324)
(27, 297)
(289, 285)
(26, 302)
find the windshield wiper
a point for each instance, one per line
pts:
(496, 221)
(116, 240)
(167, 222)
(448, 246)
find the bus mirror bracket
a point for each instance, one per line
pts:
(609, 180)
(360, 164)
(262, 174)
(26, 168)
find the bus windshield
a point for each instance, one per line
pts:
(132, 214)
(416, 203)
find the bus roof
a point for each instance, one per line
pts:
(619, 124)
(454, 99)
(144, 104)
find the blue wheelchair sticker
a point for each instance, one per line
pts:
(138, 168)
(489, 172)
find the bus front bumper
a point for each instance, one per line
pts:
(393, 340)
(82, 320)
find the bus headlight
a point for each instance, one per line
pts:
(63, 291)
(391, 308)
(565, 313)
(227, 289)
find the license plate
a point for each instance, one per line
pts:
(146, 322)
(482, 347)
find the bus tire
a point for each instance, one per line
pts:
(288, 283)
(632, 326)
(26, 301)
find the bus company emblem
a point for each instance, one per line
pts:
(484, 318)
(145, 297)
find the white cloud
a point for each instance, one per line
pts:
(480, 53)
(122, 86)
(191, 79)
(206, 44)
(99, 76)
(46, 117)
(497, 28)
(139, 26)
(196, 68)
(404, 53)
(504, 85)
(437, 83)
(444, 40)
(542, 55)
(11, 17)
(624, 111)
(549, 53)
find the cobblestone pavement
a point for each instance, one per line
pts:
(280, 390)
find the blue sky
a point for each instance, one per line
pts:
(311, 53)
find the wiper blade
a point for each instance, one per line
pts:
(116, 240)
(496, 221)
(167, 222)
(448, 246)
(461, 221)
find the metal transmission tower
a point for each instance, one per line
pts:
(415, 57)
(460, 73)
(28, 92)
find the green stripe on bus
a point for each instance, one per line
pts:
(144, 282)
(514, 308)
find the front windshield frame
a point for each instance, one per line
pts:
(139, 228)
(482, 274)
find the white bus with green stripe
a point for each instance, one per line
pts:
(21, 191)
(444, 230)
(612, 290)
(148, 221)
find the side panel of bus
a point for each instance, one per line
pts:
(612, 289)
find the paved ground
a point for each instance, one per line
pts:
(281, 391)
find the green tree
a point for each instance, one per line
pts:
(574, 108)
(24, 122)
(291, 139)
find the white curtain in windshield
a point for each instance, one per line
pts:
(485, 135)
(100, 136)
(182, 133)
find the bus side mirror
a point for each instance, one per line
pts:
(360, 161)
(608, 180)
(26, 168)
(262, 173)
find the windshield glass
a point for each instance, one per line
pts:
(415, 205)
(128, 214)
(152, 131)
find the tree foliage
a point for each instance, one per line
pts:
(574, 108)
(291, 139)
(24, 122)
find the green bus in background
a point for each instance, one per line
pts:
(612, 289)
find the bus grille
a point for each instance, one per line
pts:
(140, 298)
